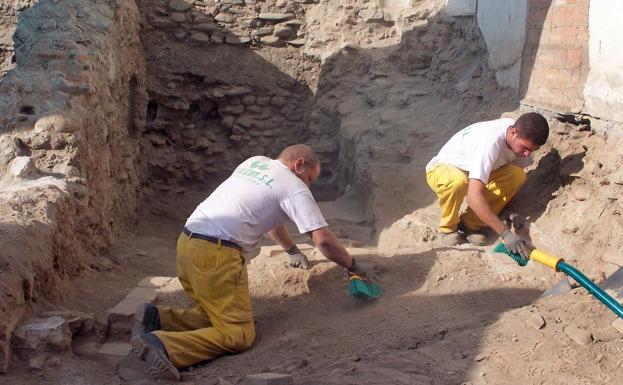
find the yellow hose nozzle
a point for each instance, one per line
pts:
(545, 259)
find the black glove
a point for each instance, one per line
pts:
(297, 258)
(515, 244)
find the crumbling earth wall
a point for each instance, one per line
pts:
(71, 112)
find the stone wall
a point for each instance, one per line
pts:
(226, 81)
(8, 21)
(71, 112)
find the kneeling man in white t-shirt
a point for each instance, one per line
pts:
(482, 163)
(256, 199)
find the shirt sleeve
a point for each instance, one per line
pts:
(303, 210)
(482, 162)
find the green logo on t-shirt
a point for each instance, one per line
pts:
(255, 174)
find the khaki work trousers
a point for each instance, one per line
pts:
(450, 185)
(215, 277)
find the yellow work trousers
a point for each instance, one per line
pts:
(450, 185)
(215, 277)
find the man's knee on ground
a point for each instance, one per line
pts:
(239, 337)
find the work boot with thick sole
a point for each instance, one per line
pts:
(147, 319)
(149, 349)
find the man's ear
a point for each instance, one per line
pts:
(298, 164)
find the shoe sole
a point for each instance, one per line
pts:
(158, 365)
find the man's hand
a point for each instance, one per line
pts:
(297, 258)
(514, 243)
(362, 270)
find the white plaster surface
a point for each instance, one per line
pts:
(461, 7)
(603, 91)
(503, 25)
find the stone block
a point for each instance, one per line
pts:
(269, 379)
(40, 339)
(121, 317)
(618, 325)
(146, 294)
(578, 335)
(115, 348)
(535, 321)
(607, 334)
(154, 281)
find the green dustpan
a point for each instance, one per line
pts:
(363, 290)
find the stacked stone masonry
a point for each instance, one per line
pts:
(555, 62)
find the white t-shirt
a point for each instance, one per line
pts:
(478, 149)
(260, 195)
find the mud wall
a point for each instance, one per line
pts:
(71, 111)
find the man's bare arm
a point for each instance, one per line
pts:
(281, 235)
(330, 247)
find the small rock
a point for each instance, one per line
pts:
(23, 167)
(283, 31)
(535, 321)
(296, 42)
(613, 256)
(53, 123)
(206, 27)
(224, 18)
(237, 91)
(606, 334)
(269, 379)
(578, 335)
(178, 17)
(265, 31)
(217, 38)
(618, 325)
(229, 39)
(275, 16)
(199, 37)
(180, 5)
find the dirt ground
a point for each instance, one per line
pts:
(448, 316)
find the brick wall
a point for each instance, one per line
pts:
(555, 58)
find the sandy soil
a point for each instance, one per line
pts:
(448, 316)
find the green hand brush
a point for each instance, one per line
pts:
(363, 290)
(501, 248)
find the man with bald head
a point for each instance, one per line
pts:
(256, 199)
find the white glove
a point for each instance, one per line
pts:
(297, 258)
